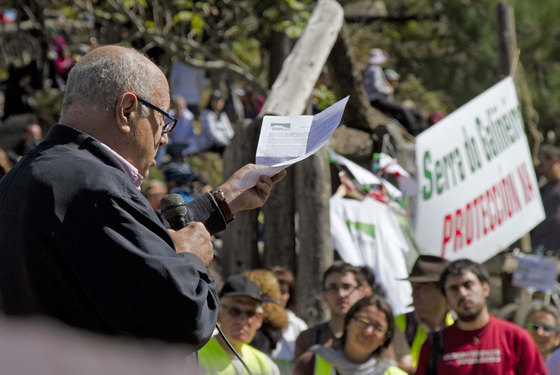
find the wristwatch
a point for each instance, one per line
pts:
(220, 200)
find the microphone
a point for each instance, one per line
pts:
(174, 210)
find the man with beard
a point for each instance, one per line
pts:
(478, 343)
(430, 311)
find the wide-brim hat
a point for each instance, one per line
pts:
(427, 268)
(378, 56)
(240, 285)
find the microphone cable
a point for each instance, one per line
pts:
(174, 210)
(233, 350)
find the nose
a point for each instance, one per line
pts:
(369, 330)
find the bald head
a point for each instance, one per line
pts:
(102, 100)
(103, 75)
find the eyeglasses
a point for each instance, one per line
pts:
(365, 323)
(236, 312)
(548, 330)
(346, 288)
(169, 121)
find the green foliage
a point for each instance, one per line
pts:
(445, 58)
(323, 97)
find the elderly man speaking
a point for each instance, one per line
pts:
(79, 242)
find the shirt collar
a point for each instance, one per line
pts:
(132, 172)
(135, 177)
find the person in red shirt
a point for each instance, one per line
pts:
(478, 343)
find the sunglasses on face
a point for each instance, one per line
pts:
(534, 326)
(236, 312)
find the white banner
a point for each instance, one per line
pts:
(368, 233)
(477, 187)
(535, 272)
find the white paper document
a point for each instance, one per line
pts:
(285, 140)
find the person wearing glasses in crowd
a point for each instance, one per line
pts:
(240, 316)
(342, 287)
(478, 342)
(543, 323)
(368, 329)
(79, 242)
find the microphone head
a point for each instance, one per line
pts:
(172, 206)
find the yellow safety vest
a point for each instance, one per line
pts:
(420, 335)
(322, 367)
(214, 359)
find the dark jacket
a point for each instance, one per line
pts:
(78, 242)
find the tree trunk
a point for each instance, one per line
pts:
(280, 209)
(279, 51)
(279, 230)
(347, 80)
(507, 41)
(292, 89)
(507, 47)
(312, 182)
(239, 251)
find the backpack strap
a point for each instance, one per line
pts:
(436, 339)
(317, 333)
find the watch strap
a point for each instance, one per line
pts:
(220, 200)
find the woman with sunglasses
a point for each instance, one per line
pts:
(542, 322)
(368, 329)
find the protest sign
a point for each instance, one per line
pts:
(478, 190)
(535, 272)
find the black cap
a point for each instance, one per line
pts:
(427, 268)
(240, 285)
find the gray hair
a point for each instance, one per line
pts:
(101, 81)
(538, 305)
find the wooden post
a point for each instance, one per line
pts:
(507, 47)
(239, 250)
(507, 41)
(312, 184)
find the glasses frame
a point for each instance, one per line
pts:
(548, 330)
(166, 127)
(364, 323)
(346, 289)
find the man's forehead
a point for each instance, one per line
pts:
(336, 276)
(463, 277)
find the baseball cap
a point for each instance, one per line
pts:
(427, 268)
(240, 285)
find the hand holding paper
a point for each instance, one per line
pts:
(285, 140)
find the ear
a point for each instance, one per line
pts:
(557, 340)
(486, 289)
(126, 111)
(259, 319)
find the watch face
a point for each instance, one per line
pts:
(219, 194)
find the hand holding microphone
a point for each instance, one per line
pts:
(189, 237)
